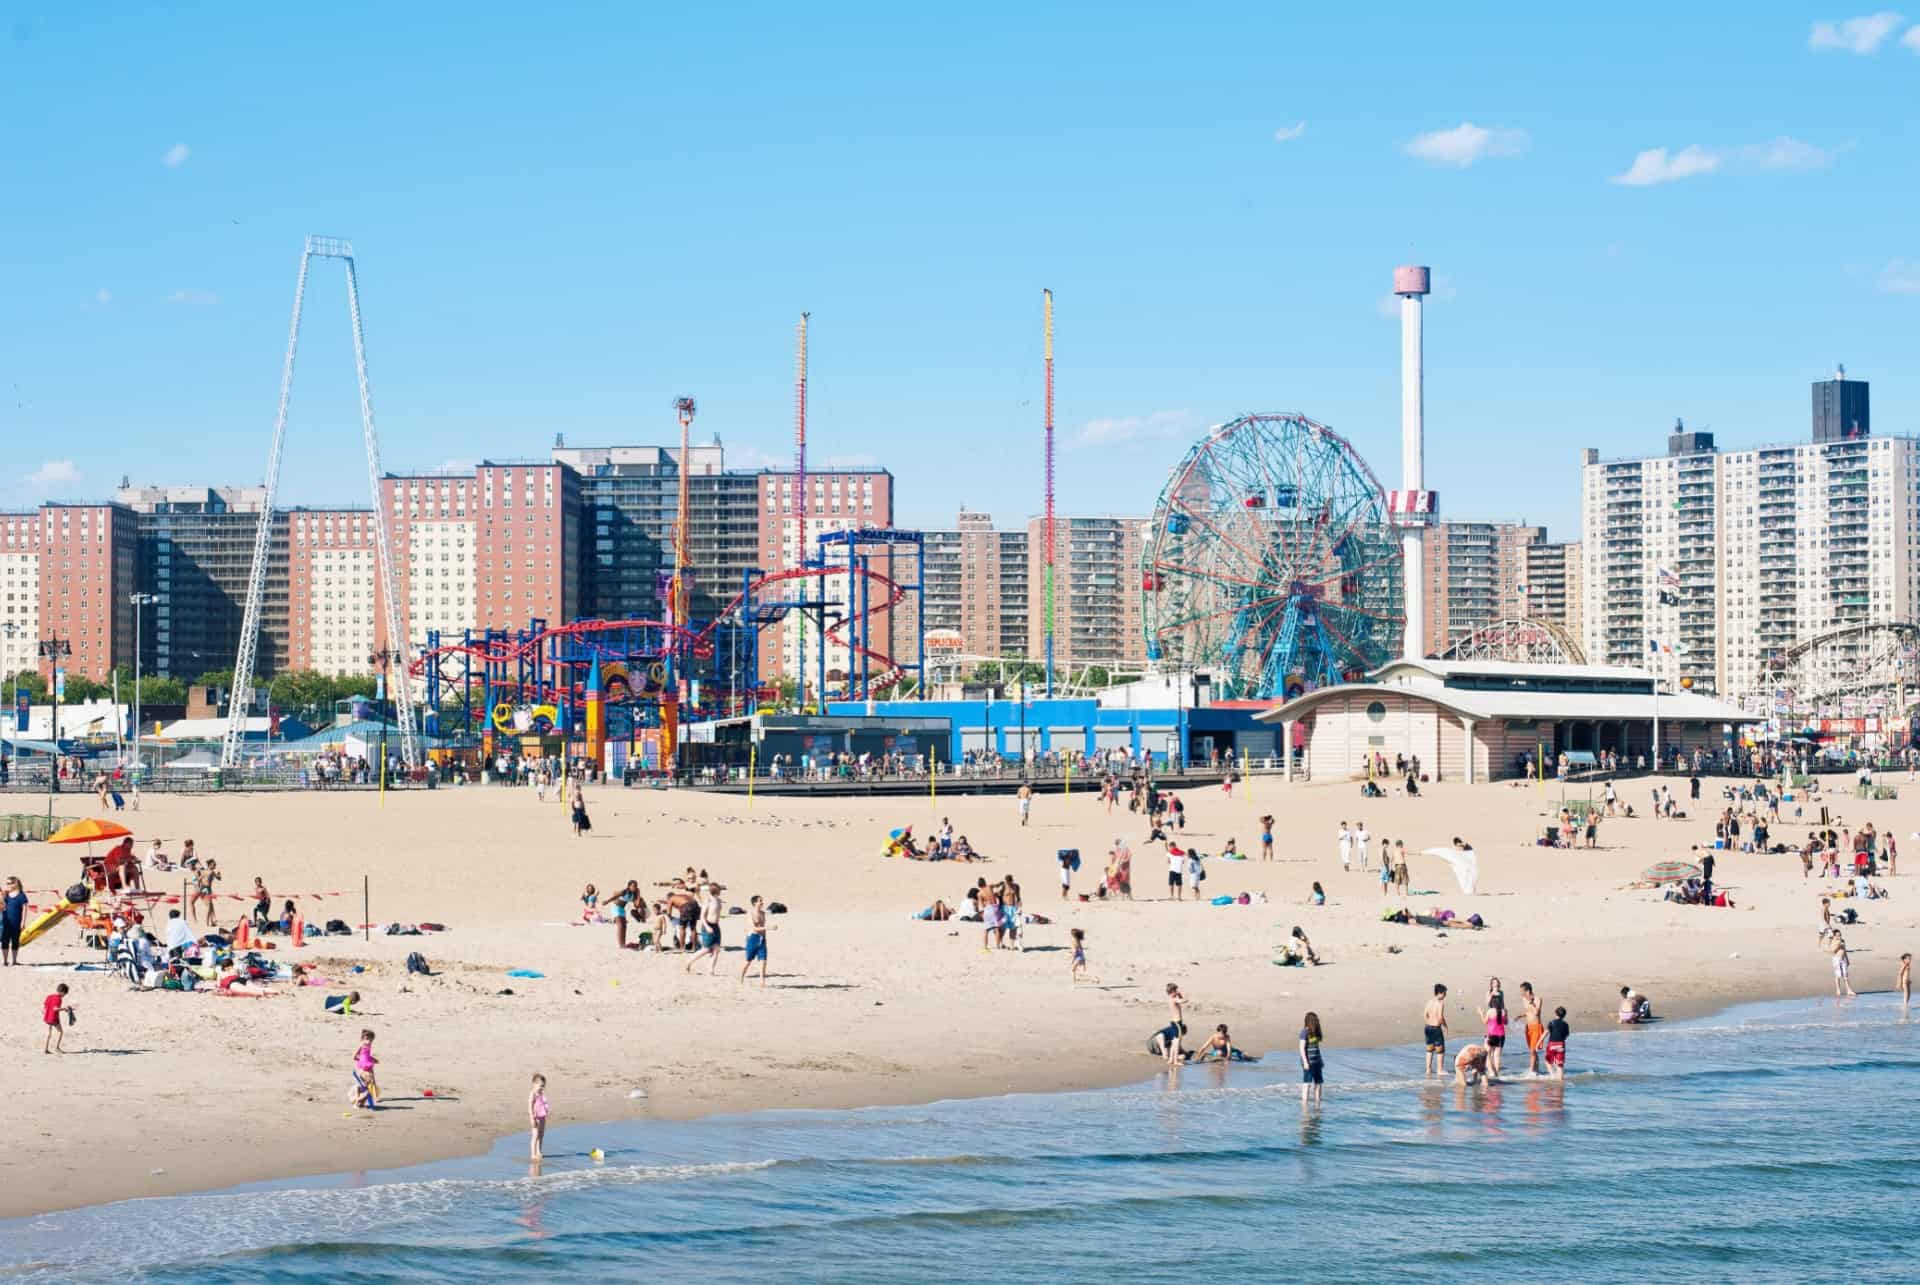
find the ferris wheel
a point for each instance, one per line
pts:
(1272, 562)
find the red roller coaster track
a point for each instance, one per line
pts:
(698, 643)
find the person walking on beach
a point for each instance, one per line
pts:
(710, 912)
(1176, 866)
(1266, 837)
(1402, 881)
(1557, 1031)
(1078, 969)
(756, 939)
(1435, 1018)
(1361, 840)
(1312, 1070)
(1067, 857)
(203, 881)
(1386, 871)
(50, 1010)
(1026, 803)
(1536, 1029)
(1346, 847)
(537, 1119)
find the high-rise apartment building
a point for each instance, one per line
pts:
(836, 500)
(1552, 586)
(1096, 599)
(335, 619)
(1723, 560)
(87, 578)
(1015, 601)
(1474, 574)
(19, 591)
(195, 556)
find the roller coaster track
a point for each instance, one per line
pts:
(695, 642)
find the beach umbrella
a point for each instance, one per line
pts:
(1465, 863)
(1670, 872)
(89, 830)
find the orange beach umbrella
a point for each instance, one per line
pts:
(89, 830)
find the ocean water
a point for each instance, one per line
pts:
(1776, 1142)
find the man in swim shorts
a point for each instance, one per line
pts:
(1436, 1030)
(757, 939)
(1176, 862)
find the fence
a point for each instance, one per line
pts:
(22, 827)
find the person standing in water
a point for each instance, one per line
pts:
(1436, 1030)
(1557, 1032)
(1312, 1070)
(1904, 982)
(1495, 1014)
(1842, 966)
(537, 1119)
(1536, 1029)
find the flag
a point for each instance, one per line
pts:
(1669, 579)
(1657, 648)
(1681, 649)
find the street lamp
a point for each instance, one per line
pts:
(384, 657)
(139, 600)
(54, 649)
(12, 631)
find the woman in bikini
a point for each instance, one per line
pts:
(1495, 1015)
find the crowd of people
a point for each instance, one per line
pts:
(686, 915)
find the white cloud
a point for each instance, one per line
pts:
(1656, 165)
(1782, 155)
(1858, 35)
(103, 296)
(197, 298)
(1464, 144)
(1900, 276)
(53, 474)
(458, 464)
(1290, 133)
(1912, 39)
(176, 156)
(1153, 426)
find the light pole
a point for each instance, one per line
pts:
(139, 600)
(54, 649)
(12, 631)
(383, 657)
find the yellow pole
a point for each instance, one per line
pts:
(1246, 773)
(383, 780)
(933, 779)
(1069, 790)
(753, 763)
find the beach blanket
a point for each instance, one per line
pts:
(1465, 863)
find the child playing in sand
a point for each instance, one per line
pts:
(537, 1118)
(1079, 968)
(55, 1005)
(366, 1091)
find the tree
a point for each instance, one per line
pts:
(221, 678)
(30, 679)
(1097, 676)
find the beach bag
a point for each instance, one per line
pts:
(338, 928)
(1072, 857)
(776, 907)
(417, 963)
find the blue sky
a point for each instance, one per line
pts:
(567, 215)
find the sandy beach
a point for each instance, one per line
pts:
(164, 1092)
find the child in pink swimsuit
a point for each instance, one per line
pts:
(537, 1117)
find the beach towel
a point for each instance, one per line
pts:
(523, 972)
(1223, 900)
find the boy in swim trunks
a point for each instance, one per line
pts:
(1536, 1031)
(1557, 1032)
(756, 939)
(1436, 1030)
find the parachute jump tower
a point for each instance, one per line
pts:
(239, 703)
(1047, 297)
